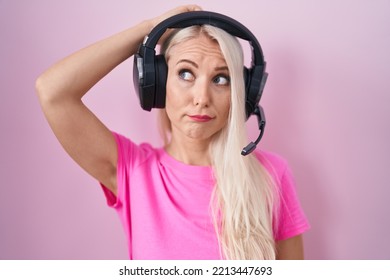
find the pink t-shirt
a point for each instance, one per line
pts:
(163, 204)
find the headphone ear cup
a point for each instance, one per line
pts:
(254, 88)
(161, 70)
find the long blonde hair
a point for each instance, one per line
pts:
(245, 199)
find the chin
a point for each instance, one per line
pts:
(202, 135)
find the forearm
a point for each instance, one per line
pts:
(73, 76)
(290, 249)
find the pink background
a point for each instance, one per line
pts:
(327, 104)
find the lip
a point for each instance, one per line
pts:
(200, 118)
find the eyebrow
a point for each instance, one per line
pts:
(220, 68)
(187, 61)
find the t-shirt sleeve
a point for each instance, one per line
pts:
(129, 156)
(124, 149)
(291, 219)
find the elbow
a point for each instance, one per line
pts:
(47, 91)
(51, 89)
(41, 88)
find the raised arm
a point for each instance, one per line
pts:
(60, 89)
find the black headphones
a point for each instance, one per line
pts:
(150, 70)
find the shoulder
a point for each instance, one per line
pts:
(279, 170)
(126, 142)
(275, 164)
(132, 153)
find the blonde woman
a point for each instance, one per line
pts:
(197, 197)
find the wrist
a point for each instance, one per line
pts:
(148, 25)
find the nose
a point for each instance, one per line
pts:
(202, 94)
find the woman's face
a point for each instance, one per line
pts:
(198, 89)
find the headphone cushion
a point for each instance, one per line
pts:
(249, 104)
(246, 81)
(161, 71)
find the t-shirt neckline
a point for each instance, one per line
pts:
(187, 170)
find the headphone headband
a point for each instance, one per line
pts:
(226, 23)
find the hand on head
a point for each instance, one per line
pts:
(175, 11)
(171, 13)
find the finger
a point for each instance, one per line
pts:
(183, 9)
(171, 13)
(192, 8)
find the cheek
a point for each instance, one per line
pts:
(174, 101)
(170, 92)
(177, 95)
(225, 106)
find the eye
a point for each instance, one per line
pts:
(186, 75)
(222, 80)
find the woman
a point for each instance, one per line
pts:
(195, 198)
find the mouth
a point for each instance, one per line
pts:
(200, 118)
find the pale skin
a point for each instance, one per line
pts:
(197, 84)
(91, 144)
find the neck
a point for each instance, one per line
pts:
(192, 152)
